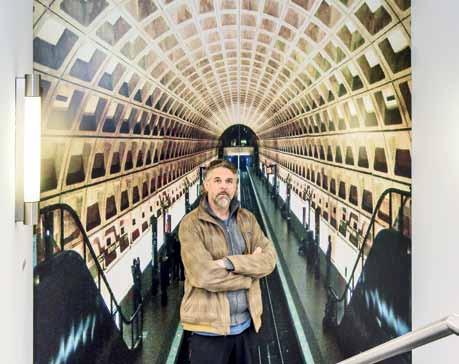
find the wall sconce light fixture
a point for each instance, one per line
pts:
(28, 152)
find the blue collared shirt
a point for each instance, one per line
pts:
(234, 329)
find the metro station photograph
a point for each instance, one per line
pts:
(230, 181)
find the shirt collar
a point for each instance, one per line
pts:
(234, 205)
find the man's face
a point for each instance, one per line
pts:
(221, 185)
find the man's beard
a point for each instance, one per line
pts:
(222, 200)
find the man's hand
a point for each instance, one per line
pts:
(221, 263)
(257, 250)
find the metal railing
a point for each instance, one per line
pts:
(435, 331)
(77, 240)
(336, 305)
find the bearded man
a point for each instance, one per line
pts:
(225, 253)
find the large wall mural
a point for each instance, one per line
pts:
(136, 94)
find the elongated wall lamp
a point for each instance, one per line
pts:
(28, 151)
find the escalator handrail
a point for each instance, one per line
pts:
(73, 214)
(416, 338)
(360, 256)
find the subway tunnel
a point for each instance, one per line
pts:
(311, 99)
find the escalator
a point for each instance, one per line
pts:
(72, 322)
(380, 307)
(77, 317)
(376, 306)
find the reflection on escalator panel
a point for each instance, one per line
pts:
(380, 307)
(72, 322)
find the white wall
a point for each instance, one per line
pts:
(177, 211)
(194, 191)
(120, 276)
(282, 189)
(435, 171)
(296, 205)
(16, 241)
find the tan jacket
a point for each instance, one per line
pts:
(205, 305)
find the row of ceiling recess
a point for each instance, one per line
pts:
(70, 61)
(312, 170)
(131, 223)
(105, 219)
(386, 156)
(347, 203)
(331, 187)
(103, 205)
(69, 108)
(108, 201)
(384, 107)
(75, 162)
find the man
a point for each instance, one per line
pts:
(225, 253)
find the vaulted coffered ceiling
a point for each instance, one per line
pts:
(218, 63)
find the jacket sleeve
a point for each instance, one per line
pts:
(201, 269)
(256, 265)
